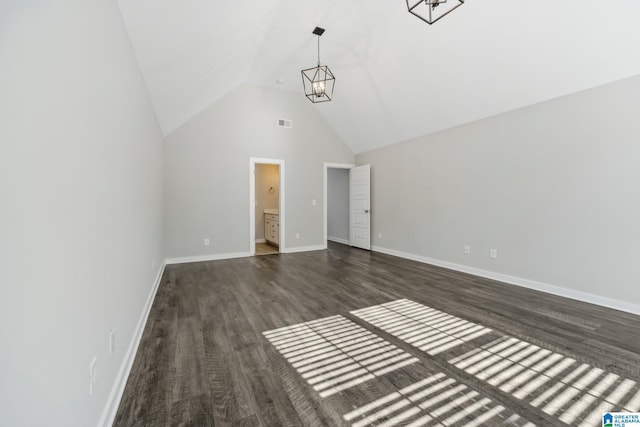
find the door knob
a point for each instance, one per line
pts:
(366, 211)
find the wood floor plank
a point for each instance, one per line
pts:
(204, 359)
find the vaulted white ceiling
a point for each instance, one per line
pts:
(396, 77)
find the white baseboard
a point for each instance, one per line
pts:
(111, 408)
(302, 249)
(261, 240)
(338, 240)
(518, 281)
(214, 257)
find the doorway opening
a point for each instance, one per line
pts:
(337, 205)
(347, 202)
(266, 201)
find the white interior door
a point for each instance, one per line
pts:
(360, 207)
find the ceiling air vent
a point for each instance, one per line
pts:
(284, 123)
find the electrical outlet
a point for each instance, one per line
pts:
(92, 374)
(467, 249)
(493, 253)
(297, 235)
(379, 235)
(207, 241)
(112, 342)
(313, 202)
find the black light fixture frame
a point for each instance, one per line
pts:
(423, 9)
(318, 81)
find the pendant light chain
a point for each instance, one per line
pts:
(318, 51)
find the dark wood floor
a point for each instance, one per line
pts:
(209, 354)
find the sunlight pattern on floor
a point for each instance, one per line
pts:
(436, 399)
(333, 354)
(574, 392)
(423, 327)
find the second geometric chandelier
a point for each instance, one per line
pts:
(318, 81)
(431, 11)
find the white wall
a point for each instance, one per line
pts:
(338, 204)
(553, 187)
(81, 206)
(267, 177)
(207, 171)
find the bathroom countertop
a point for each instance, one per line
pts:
(272, 211)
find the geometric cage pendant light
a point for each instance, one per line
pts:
(431, 11)
(318, 81)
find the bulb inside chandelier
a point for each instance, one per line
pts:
(318, 88)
